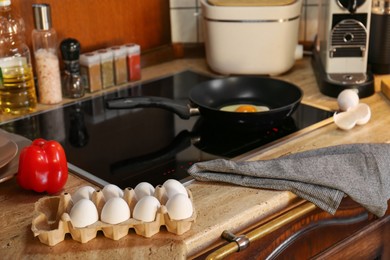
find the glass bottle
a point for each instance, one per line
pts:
(72, 84)
(44, 39)
(17, 89)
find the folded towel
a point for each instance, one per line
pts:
(322, 176)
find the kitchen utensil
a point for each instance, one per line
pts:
(207, 98)
(251, 37)
(73, 86)
(15, 143)
(341, 48)
(8, 150)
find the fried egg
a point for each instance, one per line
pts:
(244, 108)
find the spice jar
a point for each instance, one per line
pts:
(120, 65)
(133, 61)
(44, 40)
(90, 71)
(107, 67)
(72, 84)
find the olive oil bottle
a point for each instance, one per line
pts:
(17, 89)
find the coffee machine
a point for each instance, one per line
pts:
(341, 47)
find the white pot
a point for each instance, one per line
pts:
(251, 39)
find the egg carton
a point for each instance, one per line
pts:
(51, 221)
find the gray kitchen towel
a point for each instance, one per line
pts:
(322, 176)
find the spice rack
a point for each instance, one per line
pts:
(51, 221)
(112, 66)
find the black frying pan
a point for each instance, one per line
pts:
(208, 97)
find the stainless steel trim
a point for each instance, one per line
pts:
(347, 78)
(242, 241)
(87, 176)
(254, 5)
(253, 20)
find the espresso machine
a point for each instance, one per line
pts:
(341, 47)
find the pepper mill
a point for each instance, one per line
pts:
(72, 84)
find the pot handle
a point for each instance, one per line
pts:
(181, 110)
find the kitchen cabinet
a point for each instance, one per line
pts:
(351, 233)
(101, 24)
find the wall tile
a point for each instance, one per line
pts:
(309, 21)
(184, 26)
(186, 21)
(182, 3)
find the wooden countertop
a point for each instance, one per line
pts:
(218, 206)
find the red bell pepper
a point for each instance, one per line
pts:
(43, 167)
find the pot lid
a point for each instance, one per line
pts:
(251, 2)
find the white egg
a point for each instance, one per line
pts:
(364, 112)
(83, 213)
(344, 120)
(358, 115)
(146, 209)
(173, 186)
(115, 211)
(143, 189)
(251, 107)
(347, 99)
(179, 207)
(111, 191)
(84, 192)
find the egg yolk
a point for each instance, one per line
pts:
(246, 109)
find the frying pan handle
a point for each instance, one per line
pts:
(141, 102)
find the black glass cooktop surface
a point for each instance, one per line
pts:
(125, 147)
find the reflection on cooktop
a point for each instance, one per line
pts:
(125, 147)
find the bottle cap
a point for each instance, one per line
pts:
(105, 55)
(89, 58)
(70, 49)
(133, 48)
(42, 16)
(118, 51)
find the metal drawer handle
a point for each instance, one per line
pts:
(242, 241)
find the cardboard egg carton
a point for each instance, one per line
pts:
(52, 221)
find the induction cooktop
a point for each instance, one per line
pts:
(125, 147)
